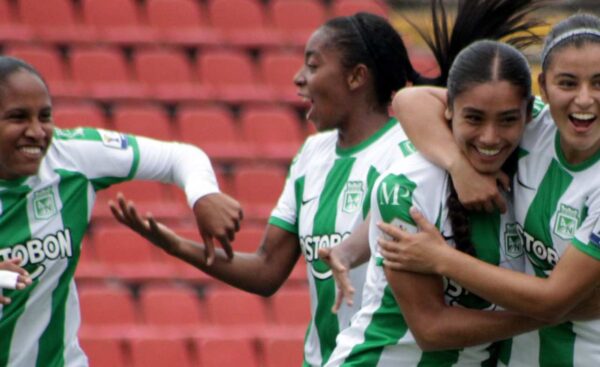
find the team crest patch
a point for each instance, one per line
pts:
(567, 222)
(513, 243)
(353, 196)
(407, 148)
(113, 139)
(594, 237)
(44, 204)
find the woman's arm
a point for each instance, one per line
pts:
(550, 299)
(262, 272)
(421, 112)
(437, 326)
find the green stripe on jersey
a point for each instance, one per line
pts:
(73, 195)
(324, 223)
(538, 106)
(14, 227)
(371, 178)
(557, 345)
(540, 212)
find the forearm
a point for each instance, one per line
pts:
(420, 111)
(182, 164)
(354, 250)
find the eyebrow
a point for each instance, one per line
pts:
(503, 113)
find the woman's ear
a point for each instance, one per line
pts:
(542, 85)
(357, 76)
(448, 113)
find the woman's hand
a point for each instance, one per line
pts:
(477, 191)
(340, 269)
(12, 276)
(418, 252)
(155, 232)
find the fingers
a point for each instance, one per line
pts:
(209, 249)
(4, 300)
(500, 203)
(227, 245)
(338, 302)
(421, 221)
(390, 230)
(504, 181)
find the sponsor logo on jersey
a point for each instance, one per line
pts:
(44, 204)
(310, 247)
(541, 256)
(567, 222)
(457, 295)
(594, 237)
(113, 139)
(70, 133)
(353, 196)
(34, 252)
(407, 148)
(392, 195)
(513, 243)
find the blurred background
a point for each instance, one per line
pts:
(218, 74)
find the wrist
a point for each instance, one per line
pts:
(454, 162)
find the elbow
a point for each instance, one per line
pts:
(430, 339)
(550, 313)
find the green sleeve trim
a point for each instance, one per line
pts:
(589, 249)
(283, 224)
(136, 156)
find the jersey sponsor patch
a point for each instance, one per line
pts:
(595, 236)
(113, 139)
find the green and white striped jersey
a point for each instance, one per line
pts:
(325, 197)
(379, 335)
(43, 219)
(556, 204)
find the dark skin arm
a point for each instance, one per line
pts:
(262, 272)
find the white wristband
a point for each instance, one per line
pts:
(8, 279)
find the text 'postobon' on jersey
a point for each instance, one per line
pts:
(378, 335)
(556, 204)
(325, 197)
(43, 219)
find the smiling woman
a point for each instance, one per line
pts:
(48, 183)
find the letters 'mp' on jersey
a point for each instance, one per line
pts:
(43, 221)
(325, 197)
(379, 335)
(557, 205)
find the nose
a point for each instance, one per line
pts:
(489, 135)
(583, 98)
(299, 78)
(35, 129)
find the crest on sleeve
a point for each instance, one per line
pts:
(595, 235)
(113, 139)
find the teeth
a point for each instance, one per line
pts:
(583, 116)
(489, 152)
(31, 150)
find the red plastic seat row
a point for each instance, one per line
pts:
(166, 75)
(241, 22)
(221, 349)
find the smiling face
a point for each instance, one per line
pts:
(322, 82)
(571, 86)
(488, 120)
(25, 124)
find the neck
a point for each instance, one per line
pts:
(360, 127)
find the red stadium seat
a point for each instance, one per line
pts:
(236, 308)
(143, 120)
(171, 307)
(283, 350)
(129, 256)
(233, 75)
(50, 65)
(107, 308)
(213, 129)
(117, 21)
(248, 238)
(291, 306)
(297, 19)
(243, 23)
(105, 73)
(69, 115)
(278, 70)
(275, 131)
(169, 76)
(160, 352)
(104, 351)
(258, 189)
(181, 22)
(10, 29)
(227, 350)
(350, 7)
(54, 21)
